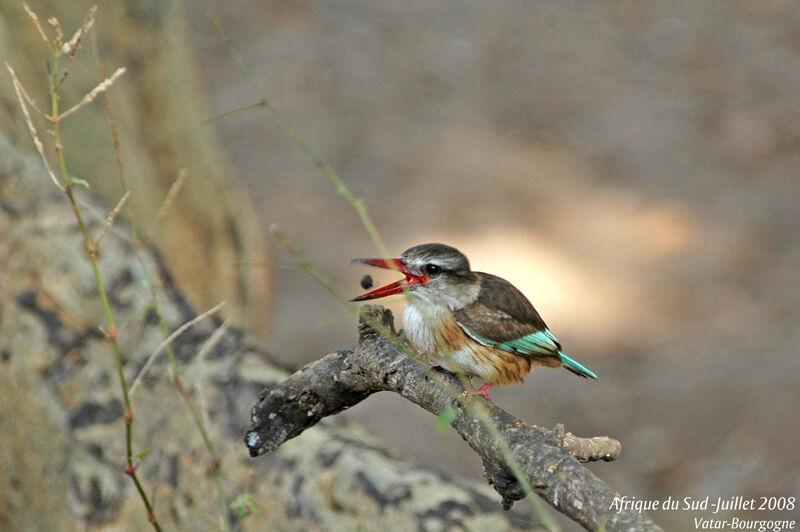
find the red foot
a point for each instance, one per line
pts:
(483, 390)
(437, 368)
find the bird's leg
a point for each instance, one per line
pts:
(483, 390)
(436, 368)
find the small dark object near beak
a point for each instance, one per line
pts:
(366, 282)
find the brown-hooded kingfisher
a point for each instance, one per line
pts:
(471, 323)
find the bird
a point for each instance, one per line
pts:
(467, 322)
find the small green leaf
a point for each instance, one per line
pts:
(244, 504)
(144, 452)
(445, 418)
(79, 182)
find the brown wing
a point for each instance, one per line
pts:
(503, 317)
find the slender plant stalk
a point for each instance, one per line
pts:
(197, 418)
(473, 407)
(92, 250)
(302, 143)
(539, 508)
(150, 280)
(369, 226)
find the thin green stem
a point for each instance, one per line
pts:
(539, 509)
(306, 264)
(91, 250)
(325, 281)
(216, 460)
(232, 112)
(369, 226)
(151, 283)
(472, 407)
(302, 143)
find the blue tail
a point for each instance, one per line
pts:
(576, 367)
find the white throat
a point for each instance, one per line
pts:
(424, 314)
(451, 300)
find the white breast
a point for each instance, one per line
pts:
(426, 324)
(428, 311)
(419, 321)
(423, 323)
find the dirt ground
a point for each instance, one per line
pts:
(631, 166)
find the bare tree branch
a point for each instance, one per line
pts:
(549, 458)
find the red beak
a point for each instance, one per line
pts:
(395, 287)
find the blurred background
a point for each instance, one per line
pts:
(632, 167)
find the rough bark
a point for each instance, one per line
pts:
(548, 458)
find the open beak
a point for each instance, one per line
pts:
(395, 287)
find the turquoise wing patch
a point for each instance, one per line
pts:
(538, 343)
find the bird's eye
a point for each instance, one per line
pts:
(431, 269)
